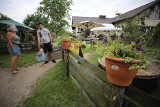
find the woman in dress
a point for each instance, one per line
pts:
(13, 47)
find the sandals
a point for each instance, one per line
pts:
(17, 69)
(14, 72)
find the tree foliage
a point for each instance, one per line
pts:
(4, 17)
(33, 19)
(56, 12)
(53, 13)
(156, 34)
(133, 31)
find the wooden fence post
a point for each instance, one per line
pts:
(80, 52)
(67, 62)
(62, 54)
(117, 96)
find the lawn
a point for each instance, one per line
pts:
(26, 59)
(55, 90)
(93, 55)
(155, 53)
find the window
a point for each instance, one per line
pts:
(154, 15)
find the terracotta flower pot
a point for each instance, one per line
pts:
(66, 44)
(118, 72)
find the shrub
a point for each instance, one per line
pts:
(156, 34)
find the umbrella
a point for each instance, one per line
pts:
(4, 23)
(107, 27)
(87, 25)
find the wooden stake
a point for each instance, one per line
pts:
(118, 96)
(67, 62)
(62, 54)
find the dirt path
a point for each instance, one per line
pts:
(15, 88)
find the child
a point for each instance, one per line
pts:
(41, 55)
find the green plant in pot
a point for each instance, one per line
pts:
(66, 42)
(123, 60)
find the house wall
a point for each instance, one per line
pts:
(148, 22)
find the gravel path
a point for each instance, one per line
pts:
(14, 88)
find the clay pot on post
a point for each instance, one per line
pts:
(118, 71)
(66, 45)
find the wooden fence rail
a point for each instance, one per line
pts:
(26, 47)
(98, 90)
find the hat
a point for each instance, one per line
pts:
(12, 28)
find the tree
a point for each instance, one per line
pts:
(4, 17)
(56, 12)
(156, 36)
(33, 19)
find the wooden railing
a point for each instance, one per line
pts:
(98, 90)
(25, 47)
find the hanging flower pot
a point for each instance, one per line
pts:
(66, 45)
(66, 42)
(118, 71)
(123, 60)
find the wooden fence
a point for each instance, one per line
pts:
(98, 90)
(57, 52)
(25, 47)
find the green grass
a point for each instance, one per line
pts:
(155, 53)
(25, 59)
(84, 50)
(93, 56)
(55, 90)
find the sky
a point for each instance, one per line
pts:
(18, 9)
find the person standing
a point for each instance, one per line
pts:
(44, 37)
(13, 47)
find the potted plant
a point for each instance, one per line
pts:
(66, 42)
(123, 60)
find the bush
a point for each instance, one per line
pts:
(156, 34)
(134, 32)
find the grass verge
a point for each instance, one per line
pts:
(25, 59)
(55, 90)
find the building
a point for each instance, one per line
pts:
(102, 19)
(147, 16)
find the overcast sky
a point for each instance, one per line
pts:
(18, 9)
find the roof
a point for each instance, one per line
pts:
(77, 19)
(129, 14)
(134, 12)
(4, 23)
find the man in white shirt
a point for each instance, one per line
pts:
(44, 37)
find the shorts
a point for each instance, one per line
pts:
(47, 47)
(16, 47)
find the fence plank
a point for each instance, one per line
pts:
(142, 98)
(97, 71)
(102, 85)
(89, 87)
(66, 55)
(83, 92)
(62, 54)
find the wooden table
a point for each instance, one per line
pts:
(152, 73)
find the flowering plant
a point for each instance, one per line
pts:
(119, 48)
(66, 38)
